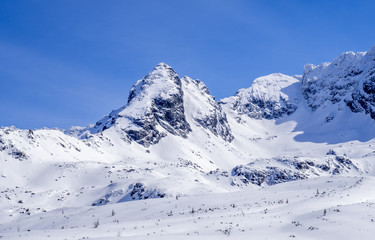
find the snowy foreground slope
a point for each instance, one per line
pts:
(308, 139)
(320, 208)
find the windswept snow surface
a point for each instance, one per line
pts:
(288, 157)
(320, 208)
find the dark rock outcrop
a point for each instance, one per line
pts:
(347, 81)
(156, 100)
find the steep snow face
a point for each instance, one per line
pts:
(270, 97)
(201, 108)
(155, 107)
(347, 81)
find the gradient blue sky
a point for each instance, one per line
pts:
(70, 62)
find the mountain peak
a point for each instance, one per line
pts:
(160, 71)
(162, 65)
(346, 81)
(155, 108)
(162, 78)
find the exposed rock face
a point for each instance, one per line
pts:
(269, 175)
(155, 107)
(204, 110)
(136, 191)
(279, 170)
(9, 147)
(348, 80)
(107, 198)
(270, 97)
(140, 191)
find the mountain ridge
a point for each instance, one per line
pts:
(172, 138)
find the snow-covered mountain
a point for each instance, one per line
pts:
(172, 139)
(269, 97)
(156, 106)
(347, 81)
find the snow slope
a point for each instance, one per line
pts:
(319, 208)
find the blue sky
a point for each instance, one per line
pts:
(65, 63)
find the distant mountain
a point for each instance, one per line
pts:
(347, 81)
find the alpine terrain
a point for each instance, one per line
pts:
(288, 157)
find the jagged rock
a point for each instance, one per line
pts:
(154, 101)
(139, 191)
(219, 172)
(2, 144)
(270, 175)
(136, 191)
(204, 109)
(18, 154)
(347, 81)
(157, 106)
(279, 170)
(108, 197)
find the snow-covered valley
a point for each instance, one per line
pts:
(288, 157)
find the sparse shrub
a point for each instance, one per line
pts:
(227, 231)
(311, 228)
(296, 223)
(96, 224)
(192, 211)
